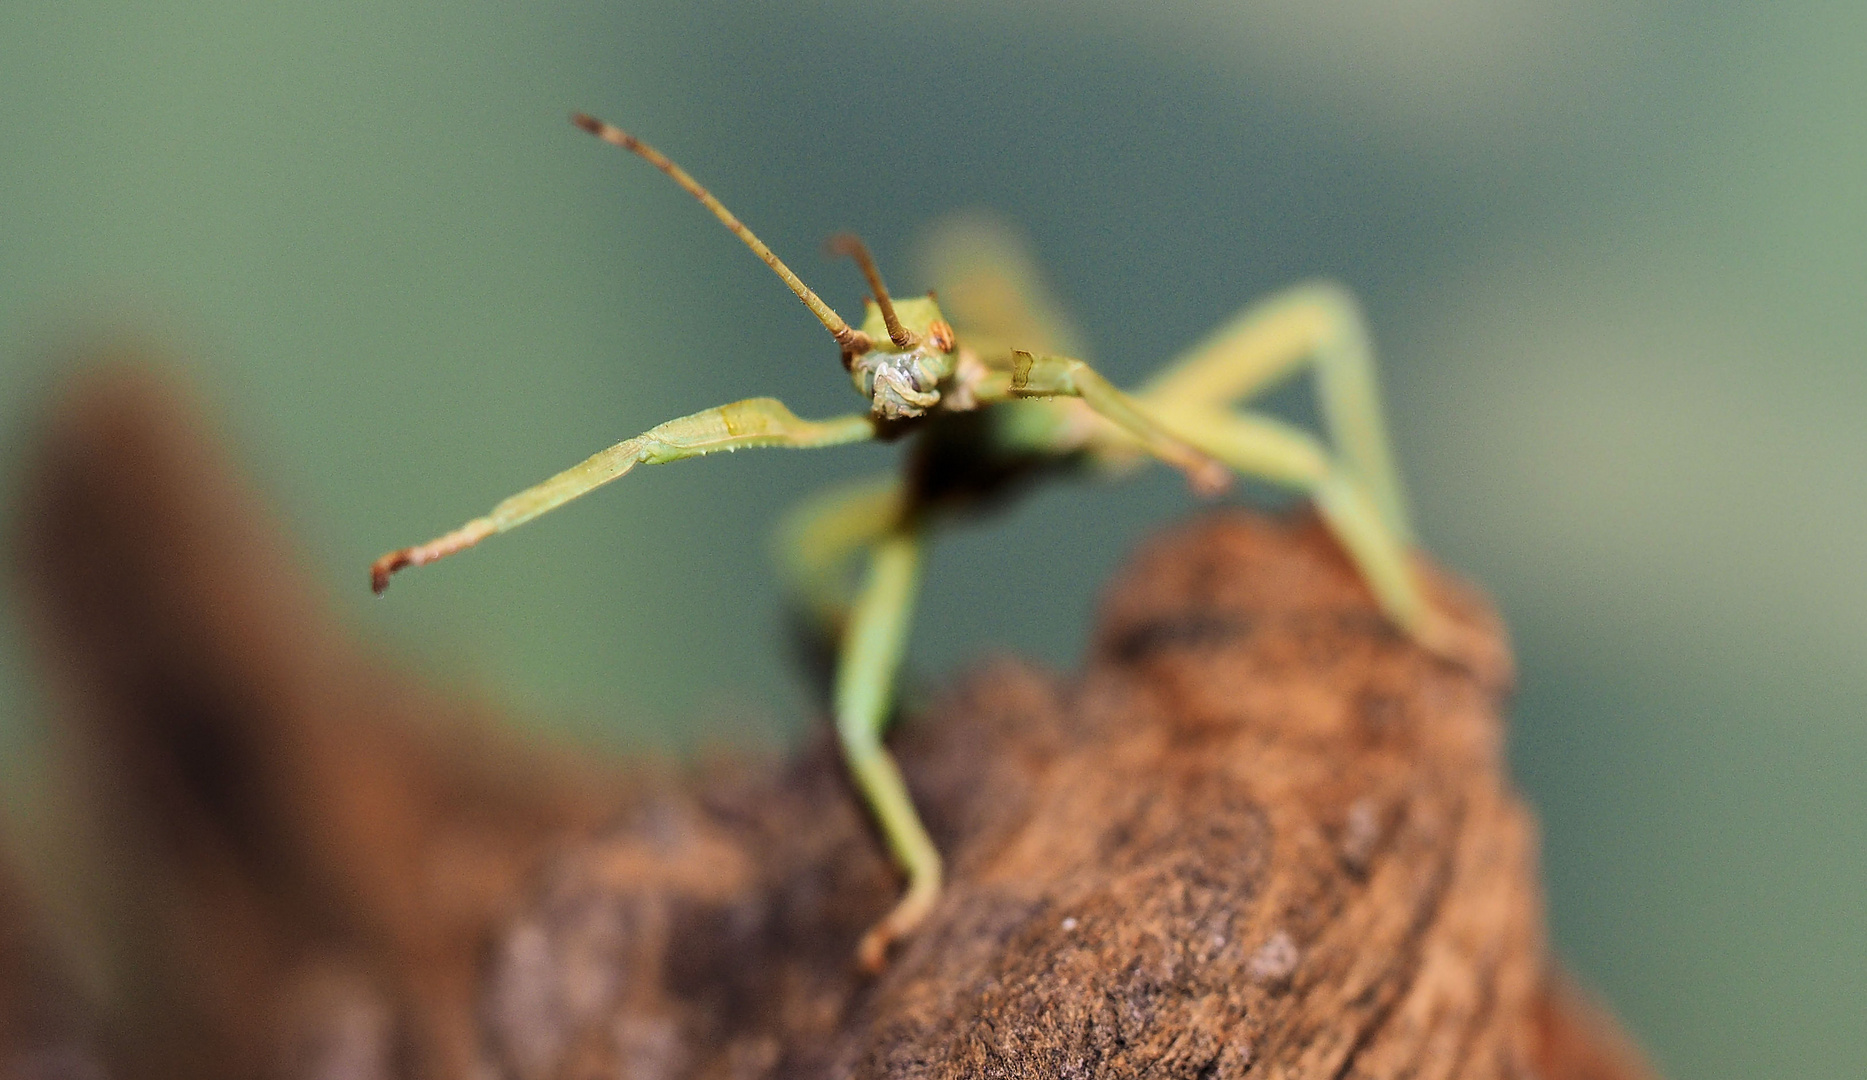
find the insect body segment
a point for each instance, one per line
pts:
(991, 404)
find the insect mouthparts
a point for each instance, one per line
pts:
(900, 384)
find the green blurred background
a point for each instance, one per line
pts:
(1615, 256)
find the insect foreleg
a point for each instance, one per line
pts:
(753, 422)
(1318, 324)
(1061, 376)
(1196, 437)
(865, 681)
(1272, 450)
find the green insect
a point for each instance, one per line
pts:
(993, 400)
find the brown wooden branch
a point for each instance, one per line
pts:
(1260, 834)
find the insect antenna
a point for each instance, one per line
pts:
(851, 245)
(848, 337)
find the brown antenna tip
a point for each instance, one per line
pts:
(851, 245)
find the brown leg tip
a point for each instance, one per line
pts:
(1209, 479)
(587, 122)
(383, 567)
(872, 950)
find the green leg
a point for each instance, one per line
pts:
(1319, 325)
(738, 426)
(819, 539)
(1262, 447)
(1272, 450)
(865, 677)
(1061, 376)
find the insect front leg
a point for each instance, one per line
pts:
(1282, 454)
(742, 424)
(1318, 325)
(865, 694)
(1262, 447)
(1357, 487)
(1061, 376)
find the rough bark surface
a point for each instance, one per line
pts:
(1259, 834)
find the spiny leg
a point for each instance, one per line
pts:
(741, 424)
(865, 683)
(1317, 324)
